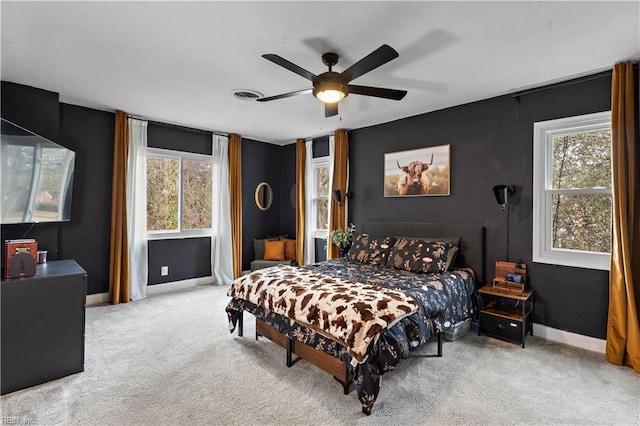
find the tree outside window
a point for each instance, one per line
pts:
(196, 184)
(321, 197)
(573, 191)
(581, 212)
(179, 189)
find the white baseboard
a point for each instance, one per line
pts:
(97, 299)
(101, 298)
(178, 285)
(568, 338)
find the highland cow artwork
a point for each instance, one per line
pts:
(417, 172)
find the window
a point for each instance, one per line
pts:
(320, 197)
(178, 194)
(572, 197)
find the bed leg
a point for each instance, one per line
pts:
(289, 351)
(240, 324)
(346, 387)
(440, 344)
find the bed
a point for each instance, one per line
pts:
(401, 285)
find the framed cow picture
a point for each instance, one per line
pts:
(417, 172)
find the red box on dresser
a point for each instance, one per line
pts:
(20, 258)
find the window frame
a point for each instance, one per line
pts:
(543, 134)
(181, 156)
(316, 163)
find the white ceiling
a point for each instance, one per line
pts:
(179, 62)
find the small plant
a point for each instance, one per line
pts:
(342, 238)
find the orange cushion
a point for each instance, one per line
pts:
(274, 250)
(289, 249)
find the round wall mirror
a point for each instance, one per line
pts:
(264, 196)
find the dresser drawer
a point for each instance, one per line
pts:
(500, 327)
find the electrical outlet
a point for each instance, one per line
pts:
(164, 271)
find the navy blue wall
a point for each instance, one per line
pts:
(186, 258)
(261, 162)
(288, 190)
(31, 108)
(491, 143)
(178, 138)
(86, 237)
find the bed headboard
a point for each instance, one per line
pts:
(472, 238)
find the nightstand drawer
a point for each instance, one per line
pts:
(501, 327)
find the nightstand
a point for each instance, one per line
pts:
(505, 314)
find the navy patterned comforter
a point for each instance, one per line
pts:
(443, 299)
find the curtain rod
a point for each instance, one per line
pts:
(215, 132)
(562, 84)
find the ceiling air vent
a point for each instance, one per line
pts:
(246, 94)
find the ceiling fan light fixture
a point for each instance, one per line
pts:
(330, 92)
(330, 96)
(331, 87)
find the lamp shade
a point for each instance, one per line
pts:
(337, 196)
(502, 192)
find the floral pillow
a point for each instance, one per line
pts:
(416, 255)
(369, 249)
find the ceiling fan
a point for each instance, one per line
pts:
(331, 87)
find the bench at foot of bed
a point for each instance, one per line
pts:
(324, 361)
(332, 365)
(364, 378)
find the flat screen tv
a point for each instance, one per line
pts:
(36, 180)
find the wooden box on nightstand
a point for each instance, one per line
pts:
(510, 276)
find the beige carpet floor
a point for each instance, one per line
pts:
(169, 359)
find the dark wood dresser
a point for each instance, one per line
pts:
(43, 319)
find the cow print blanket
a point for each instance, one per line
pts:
(349, 312)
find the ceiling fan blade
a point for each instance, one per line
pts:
(285, 95)
(330, 109)
(289, 65)
(373, 60)
(378, 92)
